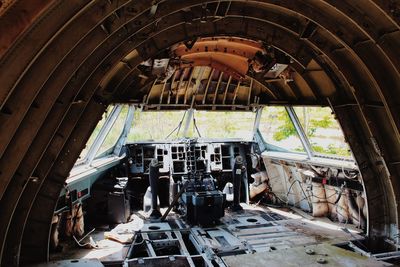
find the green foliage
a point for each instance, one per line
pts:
(299, 149)
(276, 125)
(286, 129)
(312, 119)
(325, 122)
(332, 150)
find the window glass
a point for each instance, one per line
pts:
(210, 124)
(150, 125)
(278, 130)
(231, 124)
(115, 132)
(95, 133)
(323, 131)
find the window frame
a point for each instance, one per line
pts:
(265, 146)
(105, 130)
(309, 151)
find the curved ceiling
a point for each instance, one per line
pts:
(219, 73)
(63, 62)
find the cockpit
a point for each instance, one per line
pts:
(202, 186)
(199, 133)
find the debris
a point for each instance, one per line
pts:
(123, 233)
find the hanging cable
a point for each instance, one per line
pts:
(195, 126)
(177, 127)
(180, 123)
(301, 187)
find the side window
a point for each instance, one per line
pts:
(323, 131)
(115, 132)
(278, 130)
(94, 134)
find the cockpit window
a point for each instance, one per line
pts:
(233, 124)
(278, 130)
(115, 131)
(323, 131)
(147, 126)
(208, 124)
(95, 133)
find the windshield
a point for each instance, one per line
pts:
(164, 125)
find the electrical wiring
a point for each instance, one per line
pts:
(141, 242)
(305, 195)
(337, 212)
(278, 198)
(85, 244)
(338, 198)
(323, 197)
(328, 202)
(290, 187)
(274, 194)
(338, 208)
(347, 176)
(335, 204)
(316, 202)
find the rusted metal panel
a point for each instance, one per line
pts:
(15, 23)
(60, 168)
(20, 56)
(24, 93)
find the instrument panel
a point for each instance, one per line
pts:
(175, 157)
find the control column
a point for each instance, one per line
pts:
(154, 174)
(237, 182)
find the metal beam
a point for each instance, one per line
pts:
(188, 120)
(257, 120)
(217, 87)
(207, 86)
(125, 132)
(300, 131)
(226, 89)
(188, 85)
(235, 93)
(103, 134)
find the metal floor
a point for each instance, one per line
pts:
(243, 236)
(249, 238)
